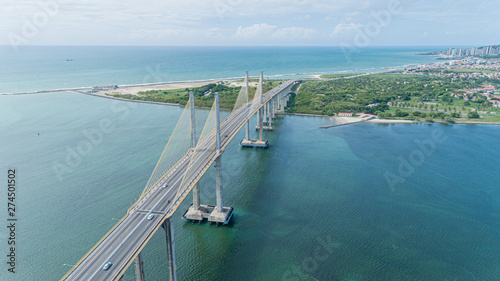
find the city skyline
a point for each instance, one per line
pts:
(260, 23)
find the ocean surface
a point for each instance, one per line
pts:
(359, 202)
(35, 68)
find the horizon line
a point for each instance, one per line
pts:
(234, 46)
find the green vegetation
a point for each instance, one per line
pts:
(399, 96)
(396, 96)
(204, 96)
(329, 76)
(465, 70)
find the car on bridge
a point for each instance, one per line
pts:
(107, 266)
(151, 216)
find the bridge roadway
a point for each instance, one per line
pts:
(125, 241)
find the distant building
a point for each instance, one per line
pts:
(344, 114)
(368, 116)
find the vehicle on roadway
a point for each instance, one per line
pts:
(166, 185)
(151, 216)
(107, 266)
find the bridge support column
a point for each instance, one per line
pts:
(195, 211)
(260, 142)
(280, 102)
(261, 123)
(220, 214)
(273, 102)
(139, 268)
(265, 111)
(218, 184)
(271, 114)
(169, 234)
(247, 135)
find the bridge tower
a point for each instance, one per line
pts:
(247, 133)
(260, 125)
(267, 123)
(139, 268)
(169, 235)
(220, 214)
(195, 211)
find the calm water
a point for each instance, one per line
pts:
(361, 202)
(39, 68)
(315, 206)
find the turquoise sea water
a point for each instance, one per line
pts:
(360, 202)
(41, 68)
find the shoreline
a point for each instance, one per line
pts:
(305, 75)
(355, 120)
(341, 120)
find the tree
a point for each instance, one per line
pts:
(473, 115)
(399, 113)
(449, 119)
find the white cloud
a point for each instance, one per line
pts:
(345, 29)
(196, 22)
(293, 33)
(256, 31)
(267, 31)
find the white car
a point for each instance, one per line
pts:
(107, 266)
(151, 216)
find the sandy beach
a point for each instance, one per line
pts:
(134, 90)
(346, 120)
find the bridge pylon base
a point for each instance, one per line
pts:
(203, 212)
(208, 212)
(255, 143)
(223, 217)
(265, 128)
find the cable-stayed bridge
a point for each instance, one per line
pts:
(182, 164)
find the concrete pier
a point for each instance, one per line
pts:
(139, 268)
(169, 234)
(194, 212)
(247, 134)
(260, 143)
(220, 214)
(255, 143)
(216, 214)
(265, 128)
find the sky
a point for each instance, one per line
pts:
(250, 23)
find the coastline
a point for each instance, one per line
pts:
(135, 89)
(341, 121)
